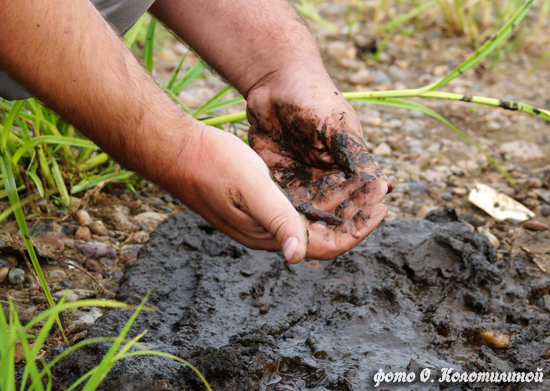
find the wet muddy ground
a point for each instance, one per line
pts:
(418, 293)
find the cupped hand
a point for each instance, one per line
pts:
(226, 182)
(312, 141)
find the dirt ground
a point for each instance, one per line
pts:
(490, 275)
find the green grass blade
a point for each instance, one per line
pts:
(405, 104)
(105, 364)
(167, 355)
(9, 121)
(225, 103)
(485, 49)
(192, 73)
(215, 99)
(222, 119)
(60, 183)
(5, 167)
(149, 45)
(60, 140)
(175, 72)
(309, 11)
(85, 184)
(132, 34)
(94, 162)
(409, 15)
(37, 182)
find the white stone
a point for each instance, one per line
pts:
(522, 150)
(382, 149)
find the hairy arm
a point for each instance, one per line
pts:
(245, 41)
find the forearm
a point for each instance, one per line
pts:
(245, 41)
(69, 57)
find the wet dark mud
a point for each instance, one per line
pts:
(416, 294)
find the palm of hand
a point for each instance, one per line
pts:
(324, 167)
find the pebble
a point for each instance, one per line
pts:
(545, 210)
(95, 249)
(69, 284)
(459, 191)
(83, 217)
(339, 50)
(26, 315)
(83, 233)
(543, 195)
(492, 238)
(3, 274)
(98, 228)
(106, 262)
(362, 77)
(68, 242)
(424, 210)
(140, 237)
(54, 241)
(84, 293)
(167, 198)
(11, 260)
(418, 188)
(493, 340)
(117, 275)
(447, 196)
(71, 296)
(381, 77)
(16, 276)
(533, 225)
(93, 266)
(534, 183)
(122, 222)
(522, 150)
(151, 219)
(397, 74)
(129, 252)
(57, 274)
(38, 300)
(382, 149)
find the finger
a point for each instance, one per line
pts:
(327, 243)
(264, 201)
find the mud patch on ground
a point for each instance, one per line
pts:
(415, 294)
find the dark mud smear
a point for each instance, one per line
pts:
(416, 294)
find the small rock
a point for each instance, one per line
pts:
(11, 260)
(106, 262)
(129, 252)
(447, 196)
(75, 202)
(533, 225)
(534, 183)
(93, 266)
(543, 195)
(54, 241)
(117, 275)
(418, 188)
(493, 340)
(390, 216)
(397, 74)
(545, 210)
(83, 294)
(98, 228)
(69, 284)
(362, 77)
(151, 219)
(68, 242)
(339, 50)
(140, 237)
(57, 274)
(95, 249)
(382, 149)
(381, 77)
(424, 210)
(83, 217)
(492, 238)
(122, 222)
(459, 191)
(71, 296)
(167, 198)
(16, 276)
(3, 274)
(522, 150)
(38, 300)
(83, 233)
(26, 315)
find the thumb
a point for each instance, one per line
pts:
(272, 209)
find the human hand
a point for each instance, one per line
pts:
(311, 139)
(227, 183)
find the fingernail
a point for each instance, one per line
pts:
(290, 246)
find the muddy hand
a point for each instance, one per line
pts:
(311, 139)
